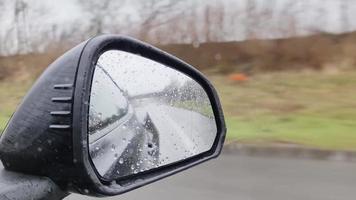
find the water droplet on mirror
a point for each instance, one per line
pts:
(121, 161)
(113, 147)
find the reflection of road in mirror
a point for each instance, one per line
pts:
(183, 133)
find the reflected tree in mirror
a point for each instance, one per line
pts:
(145, 115)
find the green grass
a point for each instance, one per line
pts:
(11, 94)
(306, 108)
(203, 108)
(310, 109)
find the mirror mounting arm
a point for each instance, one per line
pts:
(20, 186)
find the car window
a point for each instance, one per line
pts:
(107, 104)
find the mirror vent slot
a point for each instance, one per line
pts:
(62, 99)
(59, 126)
(63, 86)
(61, 113)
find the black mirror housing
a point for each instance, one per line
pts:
(47, 134)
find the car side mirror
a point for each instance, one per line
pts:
(111, 115)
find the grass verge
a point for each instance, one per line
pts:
(306, 108)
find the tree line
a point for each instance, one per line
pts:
(26, 28)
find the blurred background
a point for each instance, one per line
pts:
(285, 71)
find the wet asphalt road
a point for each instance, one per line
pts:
(253, 178)
(182, 133)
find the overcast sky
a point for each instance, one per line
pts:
(66, 15)
(139, 75)
(66, 11)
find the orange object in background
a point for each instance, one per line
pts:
(239, 77)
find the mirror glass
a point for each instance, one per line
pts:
(145, 115)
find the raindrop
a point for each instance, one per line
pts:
(39, 149)
(113, 147)
(121, 161)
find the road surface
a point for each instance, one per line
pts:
(238, 177)
(182, 133)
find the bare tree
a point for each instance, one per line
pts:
(219, 22)
(192, 23)
(214, 21)
(344, 15)
(287, 19)
(20, 13)
(252, 19)
(155, 13)
(207, 23)
(99, 11)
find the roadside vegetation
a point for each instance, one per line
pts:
(11, 94)
(311, 109)
(270, 94)
(314, 109)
